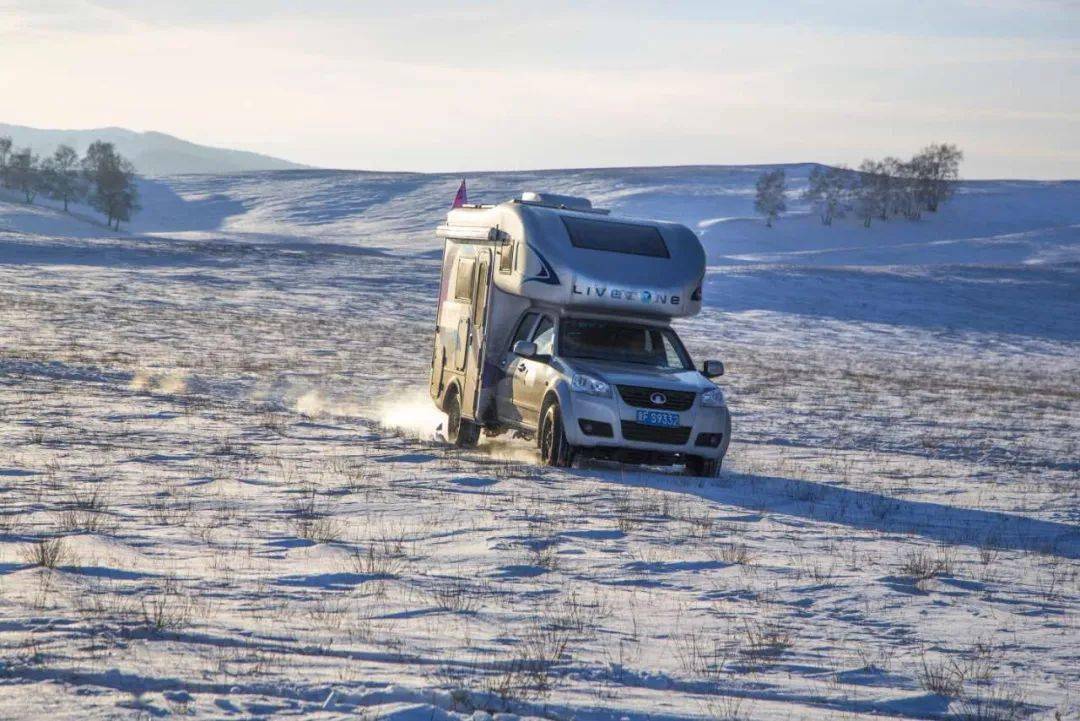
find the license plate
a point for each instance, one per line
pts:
(658, 418)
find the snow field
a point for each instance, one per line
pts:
(219, 496)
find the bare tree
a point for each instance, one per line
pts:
(937, 169)
(25, 173)
(124, 192)
(889, 187)
(98, 157)
(769, 200)
(868, 191)
(906, 196)
(828, 191)
(5, 153)
(892, 187)
(112, 178)
(62, 176)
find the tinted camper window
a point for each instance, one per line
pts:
(615, 237)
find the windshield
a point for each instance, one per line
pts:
(608, 340)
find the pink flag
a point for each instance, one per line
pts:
(462, 197)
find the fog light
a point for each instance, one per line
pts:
(709, 440)
(595, 428)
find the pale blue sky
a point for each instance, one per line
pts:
(490, 85)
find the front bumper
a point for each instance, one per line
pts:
(658, 442)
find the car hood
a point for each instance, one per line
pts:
(631, 374)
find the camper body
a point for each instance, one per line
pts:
(554, 321)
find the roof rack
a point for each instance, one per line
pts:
(561, 206)
(472, 234)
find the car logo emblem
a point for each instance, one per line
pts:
(658, 399)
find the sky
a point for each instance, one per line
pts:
(462, 85)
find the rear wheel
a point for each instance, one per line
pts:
(460, 431)
(555, 450)
(704, 467)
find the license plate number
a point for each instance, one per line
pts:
(658, 418)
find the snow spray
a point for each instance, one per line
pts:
(412, 413)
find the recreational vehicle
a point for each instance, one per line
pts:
(554, 322)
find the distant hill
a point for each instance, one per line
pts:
(152, 153)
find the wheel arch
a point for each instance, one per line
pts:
(557, 394)
(454, 386)
(563, 450)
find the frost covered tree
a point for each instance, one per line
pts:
(937, 170)
(112, 183)
(5, 154)
(62, 176)
(828, 191)
(769, 200)
(24, 172)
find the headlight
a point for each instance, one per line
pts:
(713, 398)
(587, 384)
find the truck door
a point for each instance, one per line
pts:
(504, 395)
(531, 374)
(475, 326)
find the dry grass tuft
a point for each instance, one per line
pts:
(48, 553)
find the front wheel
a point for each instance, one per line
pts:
(555, 450)
(460, 431)
(704, 467)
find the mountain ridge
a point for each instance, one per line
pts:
(153, 152)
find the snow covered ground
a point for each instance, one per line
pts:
(219, 496)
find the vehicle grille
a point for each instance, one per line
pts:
(677, 436)
(640, 397)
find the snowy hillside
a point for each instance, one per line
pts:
(1020, 236)
(151, 152)
(221, 496)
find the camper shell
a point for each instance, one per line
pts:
(561, 258)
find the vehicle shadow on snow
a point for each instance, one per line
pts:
(865, 510)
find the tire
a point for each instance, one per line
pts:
(461, 432)
(555, 450)
(703, 467)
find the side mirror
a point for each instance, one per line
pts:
(525, 348)
(712, 368)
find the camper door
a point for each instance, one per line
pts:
(472, 333)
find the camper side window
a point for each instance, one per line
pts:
(464, 282)
(506, 257)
